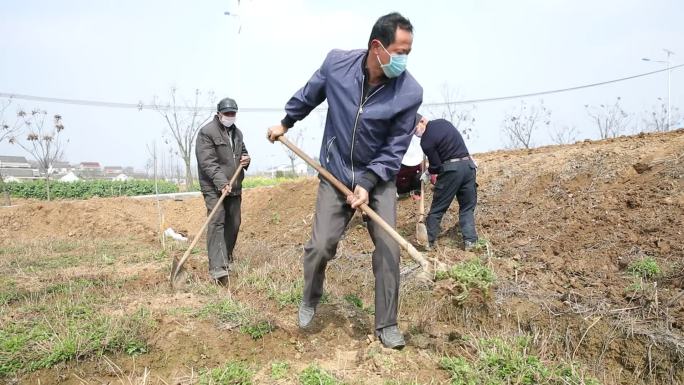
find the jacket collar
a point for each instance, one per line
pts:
(383, 80)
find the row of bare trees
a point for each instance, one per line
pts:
(610, 120)
(520, 124)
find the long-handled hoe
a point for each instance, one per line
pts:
(177, 265)
(421, 230)
(426, 263)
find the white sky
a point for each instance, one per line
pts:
(130, 51)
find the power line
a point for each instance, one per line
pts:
(520, 96)
(145, 106)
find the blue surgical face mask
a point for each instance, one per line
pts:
(396, 65)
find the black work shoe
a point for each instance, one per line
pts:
(222, 281)
(306, 315)
(391, 337)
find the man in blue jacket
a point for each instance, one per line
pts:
(372, 105)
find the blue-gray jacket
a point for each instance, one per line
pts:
(364, 140)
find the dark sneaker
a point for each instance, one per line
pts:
(306, 315)
(222, 281)
(391, 337)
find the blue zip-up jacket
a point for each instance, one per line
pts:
(364, 140)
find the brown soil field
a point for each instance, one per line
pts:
(564, 225)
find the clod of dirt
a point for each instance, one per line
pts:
(640, 168)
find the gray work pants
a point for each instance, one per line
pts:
(222, 231)
(330, 220)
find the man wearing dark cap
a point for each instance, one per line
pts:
(220, 149)
(456, 177)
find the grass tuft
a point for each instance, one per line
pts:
(470, 274)
(257, 330)
(509, 362)
(232, 373)
(646, 268)
(313, 375)
(279, 370)
(292, 295)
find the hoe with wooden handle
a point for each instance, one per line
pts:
(178, 264)
(424, 262)
(421, 230)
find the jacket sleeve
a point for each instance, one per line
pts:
(387, 161)
(244, 152)
(308, 97)
(433, 157)
(208, 161)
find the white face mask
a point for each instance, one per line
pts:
(227, 120)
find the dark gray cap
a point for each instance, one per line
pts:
(227, 105)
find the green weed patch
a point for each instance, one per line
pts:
(502, 362)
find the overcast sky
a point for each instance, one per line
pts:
(129, 51)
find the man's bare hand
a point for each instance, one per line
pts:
(359, 197)
(244, 160)
(274, 132)
(226, 189)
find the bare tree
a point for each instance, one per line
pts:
(7, 132)
(520, 124)
(42, 141)
(563, 134)
(297, 139)
(611, 120)
(184, 119)
(657, 119)
(463, 118)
